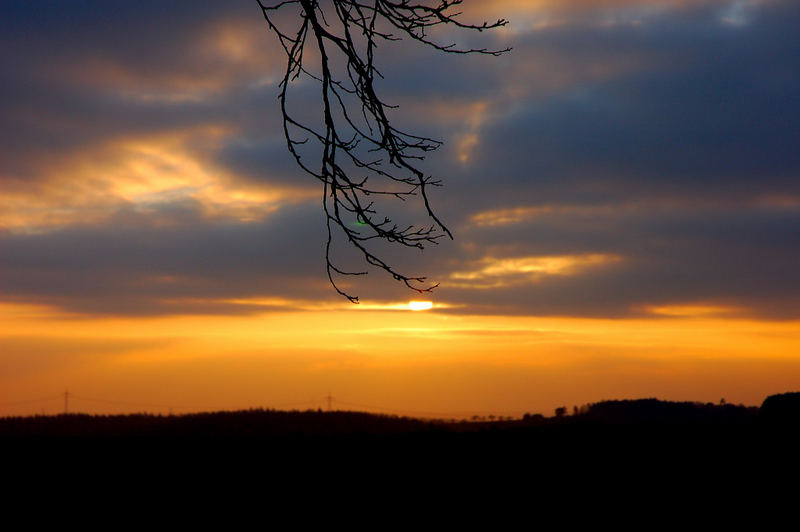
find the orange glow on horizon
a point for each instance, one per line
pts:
(417, 361)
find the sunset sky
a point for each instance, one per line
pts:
(623, 188)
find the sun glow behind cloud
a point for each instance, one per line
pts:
(309, 305)
(420, 305)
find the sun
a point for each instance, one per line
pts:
(420, 305)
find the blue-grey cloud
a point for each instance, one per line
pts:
(143, 262)
(668, 142)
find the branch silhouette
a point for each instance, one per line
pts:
(363, 156)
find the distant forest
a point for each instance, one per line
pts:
(621, 416)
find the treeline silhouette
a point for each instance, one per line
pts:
(600, 449)
(620, 416)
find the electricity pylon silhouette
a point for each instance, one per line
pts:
(330, 399)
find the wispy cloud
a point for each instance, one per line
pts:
(492, 272)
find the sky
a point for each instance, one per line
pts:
(622, 188)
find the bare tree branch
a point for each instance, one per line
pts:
(362, 155)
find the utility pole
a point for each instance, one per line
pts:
(329, 398)
(66, 401)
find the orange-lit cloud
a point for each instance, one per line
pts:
(469, 139)
(140, 173)
(492, 272)
(692, 310)
(517, 215)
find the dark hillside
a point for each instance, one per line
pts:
(628, 441)
(618, 415)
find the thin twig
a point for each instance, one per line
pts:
(349, 30)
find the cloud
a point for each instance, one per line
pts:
(165, 261)
(493, 272)
(626, 157)
(191, 46)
